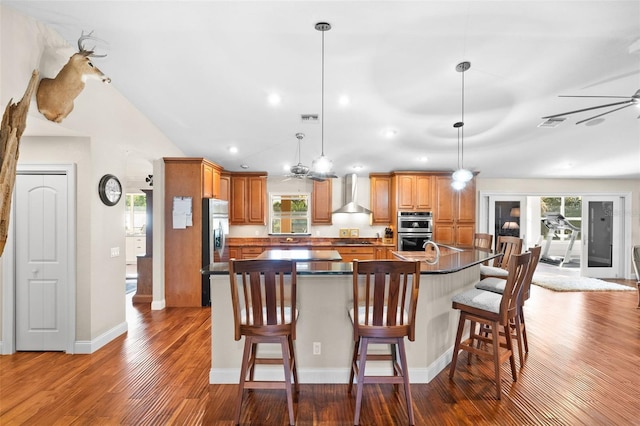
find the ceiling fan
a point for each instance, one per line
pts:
(630, 100)
(300, 171)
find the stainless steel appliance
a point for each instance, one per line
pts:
(414, 230)
(215, 230)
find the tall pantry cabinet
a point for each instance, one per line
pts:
(197, 178)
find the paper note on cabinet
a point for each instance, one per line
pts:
(182, 213)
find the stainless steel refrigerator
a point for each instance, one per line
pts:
(215, 230)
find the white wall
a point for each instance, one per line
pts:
(103, 134)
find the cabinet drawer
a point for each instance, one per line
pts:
(251, 252)
(348, 254)
(355, 250)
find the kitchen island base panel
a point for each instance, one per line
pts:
(323, 301)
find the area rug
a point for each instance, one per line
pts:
(564, 283)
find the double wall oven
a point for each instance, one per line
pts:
(414, 230)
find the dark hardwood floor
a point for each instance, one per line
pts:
(583, 368)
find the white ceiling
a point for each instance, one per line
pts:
(202, 72)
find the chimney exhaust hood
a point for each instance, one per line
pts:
(351, 196)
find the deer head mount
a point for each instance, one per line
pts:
(55, 95)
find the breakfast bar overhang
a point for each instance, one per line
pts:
(324, 295)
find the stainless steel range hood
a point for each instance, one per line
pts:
(351, 196)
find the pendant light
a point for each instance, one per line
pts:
(322, 167)
(461, 176)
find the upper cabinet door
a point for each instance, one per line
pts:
(321, 199)
(445, 200)
(406, 191)
(380, 195)
(424, 190)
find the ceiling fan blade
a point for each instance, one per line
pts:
(630, 101)
(586, 96)
(604, 113)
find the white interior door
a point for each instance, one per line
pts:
(602, 236)
(42, 314)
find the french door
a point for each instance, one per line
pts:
(507, 216)
(602, 236)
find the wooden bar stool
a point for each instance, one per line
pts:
(385, 296)
(493, 312)
(482, 241)
(508, 246)
(497, 285)
(263, 294)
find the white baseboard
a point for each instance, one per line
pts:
(89, 347)
(329, 375)
(158, 305)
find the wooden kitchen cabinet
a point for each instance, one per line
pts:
(454, 215)
(234, 253)
(321, 203)
(348, 254)
(380, 253)
(251, 252)
(248, 199)
(380, 195)
(225, 186)
(185, 177)
(210, 180)
(413, 192)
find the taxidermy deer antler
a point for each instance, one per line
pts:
(55, 96)
(13, 124)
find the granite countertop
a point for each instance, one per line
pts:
(451, 260)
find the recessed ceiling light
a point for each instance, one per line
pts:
(244, 166)
(233, 149)
(344, 100)
(357, 167)
(389, 132)
(274, 99)
(423, 159)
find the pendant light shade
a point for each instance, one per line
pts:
(461, 176)
(322, 167)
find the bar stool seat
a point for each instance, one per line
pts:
(492, 284)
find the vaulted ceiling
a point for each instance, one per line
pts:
(203, 72)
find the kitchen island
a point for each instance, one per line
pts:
(324, 294)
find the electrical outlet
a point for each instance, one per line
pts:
(115, 251)
(317, 348)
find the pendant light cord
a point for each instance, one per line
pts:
(461, 128)
(322, 98)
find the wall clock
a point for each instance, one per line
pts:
(110, 190)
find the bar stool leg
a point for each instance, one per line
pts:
(405, 376)
(360, 385)
(286, 361)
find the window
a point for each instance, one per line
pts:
(289, 214)
(569, 207)
(135, 213)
